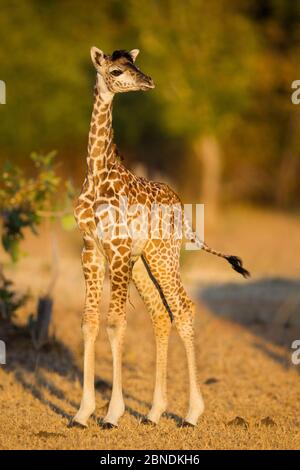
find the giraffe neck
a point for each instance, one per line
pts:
(100, 143)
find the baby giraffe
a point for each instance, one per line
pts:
(151, 261)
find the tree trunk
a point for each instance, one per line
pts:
(288, 175)
(208, 153)
(41, 328)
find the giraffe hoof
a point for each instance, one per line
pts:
(147, 422)
(105, 425)
(74, 424)
(186, 424)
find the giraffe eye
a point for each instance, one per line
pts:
(116, 72)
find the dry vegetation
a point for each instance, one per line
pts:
(250, 387)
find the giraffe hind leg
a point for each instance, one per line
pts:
(185, 328)
(162, 326)
(166, 271)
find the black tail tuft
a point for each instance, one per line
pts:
(237, 265)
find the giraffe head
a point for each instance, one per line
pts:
(118, 73)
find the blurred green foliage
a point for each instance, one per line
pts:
(10, 300)
(25, 200)
(221, 68)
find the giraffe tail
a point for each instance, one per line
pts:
(235, 262)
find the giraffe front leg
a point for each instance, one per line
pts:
(116, 326)
(94, 270)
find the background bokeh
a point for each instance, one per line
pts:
(220, 123)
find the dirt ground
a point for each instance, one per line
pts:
(250, 386)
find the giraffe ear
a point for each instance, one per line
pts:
(97, 56)
(134, 53)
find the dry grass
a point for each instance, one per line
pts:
(244, 369)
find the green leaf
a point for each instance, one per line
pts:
(68, 222)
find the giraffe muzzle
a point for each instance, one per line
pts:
(147, 83)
